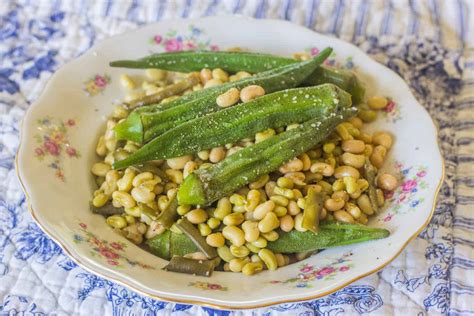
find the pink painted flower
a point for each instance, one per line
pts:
(306, 268)
(390, 106)
(344, 268)
(325, 271)
(421, 174)
(84, 226)
(314, 51)
(157, 39)
(51, 147)
(109, 254)
(173, 45)
(388, 194)
(116, 246)
(39, 151)
(190, 46)
(71, 122)
(214, 48)
(214, 286)
(401, 198)
(275, 282)
(388, 218)
(100, 81)
(71, 151)
(96, 242)
(408, 185)
(112, 262)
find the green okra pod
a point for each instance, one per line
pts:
(370, 173)
(227, 126)
(148, 122)
(191, 266)
(205, 186)
(244, 61)
(330, 234)
(193, 233)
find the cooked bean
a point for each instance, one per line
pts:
(252, 268)
(280, 211)
(215, 240)
(251, 232)
(127, 82)
(206, 75)
(326, 187)
(270, 187)
(213, 83)
(354, 210)
(302, 203)
(203, 155)
(263, 209)
(346, 171)
(224, 207)
(382, 138)
(306, 161)
(362, 184)
(261, 136)
(224, 253)
(279, 200)
(217, 154)
(286, 183)
(353, 160)
(204, 229)
(175, 175)
(340, 195)
(220, 74)
(293, 208)
(343, 132)
(328, 147)
(268, 223)
(366, 138)
(142, 196)
(356, 122)
(189, 168)
(364, 204)
(213, 222)
(377, 103)
(298, 178)
(228, 98)
(323, 168)
(343, 216)
(100, 169)
(116, 221)
(101, 149)
(237, 264)
(260, 182)
(350, 184)
(367, 115)
(124, 199)
(253, 199)
(292, 166)
(197, 216)
(260, 242)
(334, 204)
(234, 234)
(287, 223)
(387, 182)
(353, 146)
(298, 222)
(251, 92)
(271, 236)
(233, 219)
(178, 162)
(377, 159)
(239, 252)
(288, 193)
(380, 198)
(268, 257)
(100, 200)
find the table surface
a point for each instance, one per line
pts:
(429, 43)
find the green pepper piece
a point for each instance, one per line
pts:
(330, 235)
(244, 61)
(193, 233)
(147, 122)
(312, 210)
(191, 266)
(370, 173)
(270, 111)
(207, 185)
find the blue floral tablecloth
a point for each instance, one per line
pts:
(429, 43)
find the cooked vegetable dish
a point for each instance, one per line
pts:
(240, 161)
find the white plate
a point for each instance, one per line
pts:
(60, 131)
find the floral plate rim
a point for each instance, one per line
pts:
(90, 268)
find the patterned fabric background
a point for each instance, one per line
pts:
(429, 43)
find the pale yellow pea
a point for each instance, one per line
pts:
(142, 196)
(353, 160)
(280, 211)
(287, 223)
(213, 222)
(251, 92)
(288, 193)
(306, 161)
(261, 136)
(271, 236)
(356, 122)
(215, 240)
(142, 177)
(228, 98)
(204, 229)
(124, 199)
(237, 264)
(203, 155)
(260, 182)
(116, 221)
(334, 204)
(354, 210)
(293, 208)
(224, 253)
(291, 166)
(178, 163)
(213, 83)
(270, 187)
(234, 234)
(350, 184)
(323, 168)
(377, 103)
(206, 75)
(346, 171)
(101, 149)
(239, 252)
(183, 209)
(252, 268)
(383, 139)
(175, 175)
(353, 146)
(260, 242)
(100, 200)
(233, 219)
(387, 182)
(364, 203)
(340, 195)
(220, 74)
(197, 216)
(253, 199)
(100, 169)
(268, 257)
(298, 223)
(343, 216)
(189, 168)
(224, 207)
(216, 154)
(251, 232)
(263, 209)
